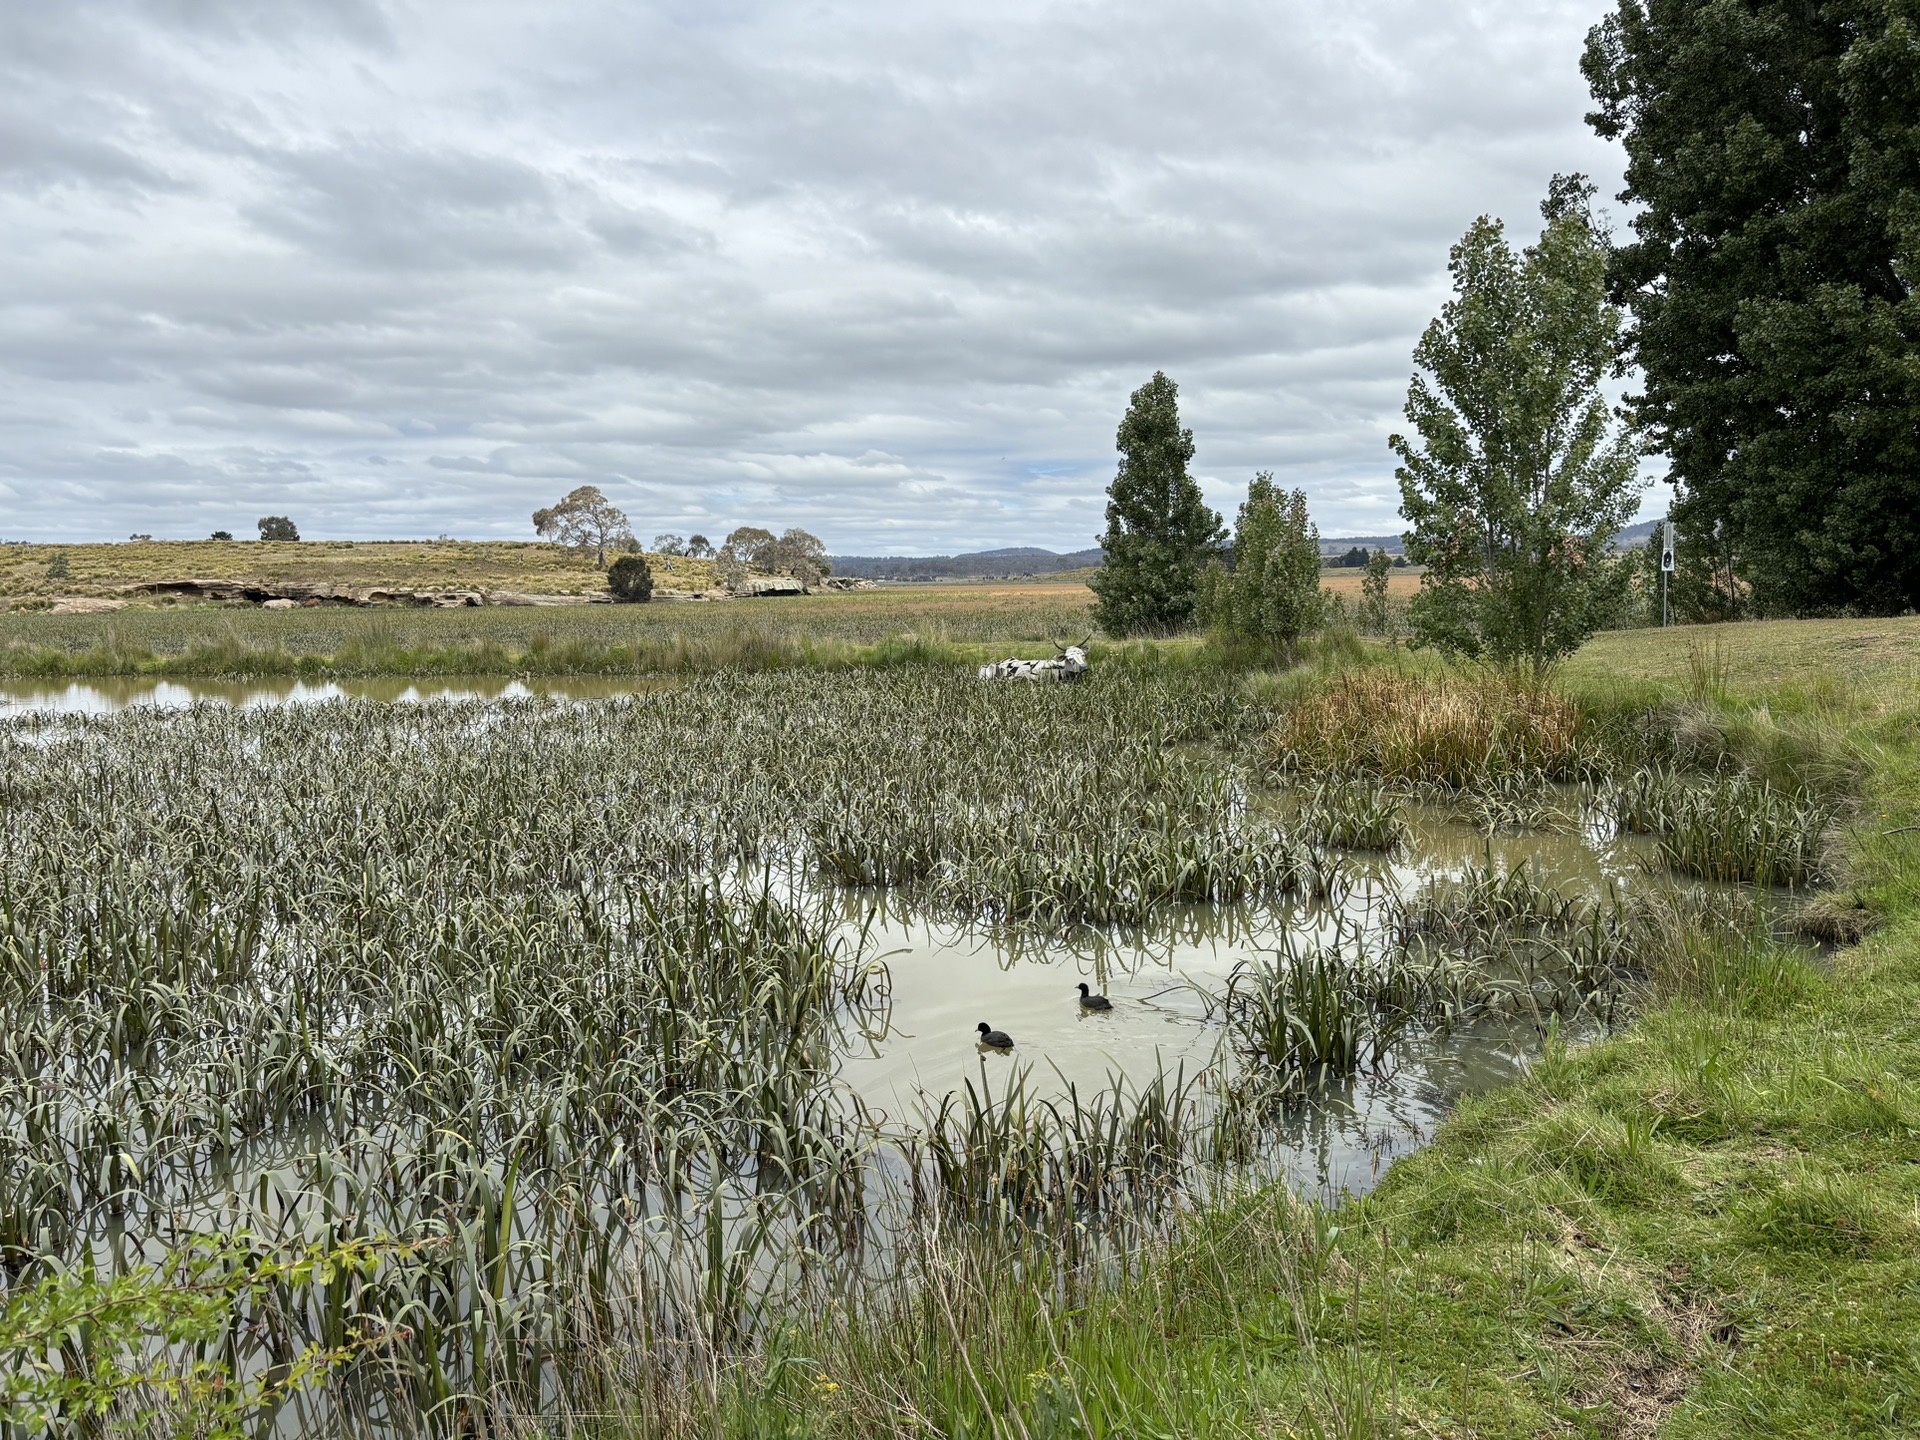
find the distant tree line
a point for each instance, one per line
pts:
(584, 520)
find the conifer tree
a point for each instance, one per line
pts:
(1160, 532)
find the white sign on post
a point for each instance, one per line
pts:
(1666, 546)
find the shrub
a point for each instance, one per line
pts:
(1272, 595)
(631, 580)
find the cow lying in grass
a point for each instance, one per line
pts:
(1069, 664)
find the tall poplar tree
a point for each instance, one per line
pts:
(1160, 532)
(1516, 482)
(1773, 161)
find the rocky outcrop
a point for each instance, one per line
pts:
(259, 592)
(747, 587)
(847, 582)
(515, 597)
(85, 605)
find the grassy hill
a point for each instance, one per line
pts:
(31, 574)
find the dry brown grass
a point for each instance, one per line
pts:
(1401, 584)
(1448, 728)
(103, 570)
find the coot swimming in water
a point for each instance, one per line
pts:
(1093, 1002)
(998, 1039)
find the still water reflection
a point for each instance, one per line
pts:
(107, 695)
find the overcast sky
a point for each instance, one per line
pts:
(887, 271)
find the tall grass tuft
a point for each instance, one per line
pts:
(1455, 729)
(1314, 1013)
(1352, 815)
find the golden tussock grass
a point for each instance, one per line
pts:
(1453, 728)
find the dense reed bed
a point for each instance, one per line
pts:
(553, 995)
(1730, 825)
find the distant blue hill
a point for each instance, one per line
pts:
(1015, 562)
(1629, 537)
(1020, 561)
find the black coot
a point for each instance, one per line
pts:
(1093, 1002)
(998, 1039)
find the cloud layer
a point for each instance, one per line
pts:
(404, 267)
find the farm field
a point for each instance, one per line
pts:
(617, 1056)
(1402, 584)
(103, 571)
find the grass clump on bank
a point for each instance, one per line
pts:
(1438, 727)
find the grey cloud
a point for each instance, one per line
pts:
(393, 207)
(362, 22)
(888, 272)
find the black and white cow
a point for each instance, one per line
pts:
(1069, 664)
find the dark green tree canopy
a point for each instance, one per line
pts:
(277, 527)
(630, 579)
(1160, 532)
(1773, 150)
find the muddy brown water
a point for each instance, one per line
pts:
(946, 979)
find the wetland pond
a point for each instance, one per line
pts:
(639, 1009)
(944, 977)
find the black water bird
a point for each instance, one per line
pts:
(1093, 1002)
(997, 1039)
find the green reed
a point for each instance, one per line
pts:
(1728, 826)
(1352, 815)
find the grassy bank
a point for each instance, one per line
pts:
(1707, 1225)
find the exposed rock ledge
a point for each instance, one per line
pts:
(85, 605)
(747, 587)
(293, 594)
(302, 594)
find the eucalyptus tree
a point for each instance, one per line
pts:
(585, 520)
(1516, 479)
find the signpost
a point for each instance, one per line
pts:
(1666, 566)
